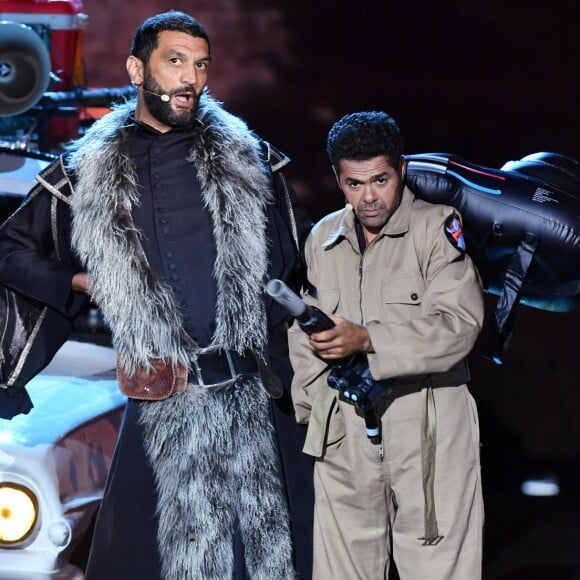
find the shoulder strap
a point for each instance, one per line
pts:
(55, 179)
(276, 160)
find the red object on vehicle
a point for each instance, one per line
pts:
(60, 24)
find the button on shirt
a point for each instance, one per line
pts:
(177, 230)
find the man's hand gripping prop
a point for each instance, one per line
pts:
(351, 375)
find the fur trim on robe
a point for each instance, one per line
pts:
(212, 451)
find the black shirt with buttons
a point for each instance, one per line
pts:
(177, 229)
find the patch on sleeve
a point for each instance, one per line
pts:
(454, 232)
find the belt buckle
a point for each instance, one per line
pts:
(210, 350)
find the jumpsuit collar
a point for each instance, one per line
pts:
(398, 224)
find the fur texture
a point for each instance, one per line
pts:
(212, 451)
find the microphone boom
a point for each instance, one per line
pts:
(164, 97)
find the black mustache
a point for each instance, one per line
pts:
(184, 89)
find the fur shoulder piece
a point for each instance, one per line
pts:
(100, 134)
(236, 186)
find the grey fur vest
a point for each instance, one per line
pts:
(212, 451)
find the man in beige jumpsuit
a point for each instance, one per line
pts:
(392, 272)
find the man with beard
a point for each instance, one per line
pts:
(171, 214)
(392, 272)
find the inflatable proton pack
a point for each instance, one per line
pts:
(521, 225)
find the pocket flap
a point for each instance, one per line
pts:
(328, 299)
(407, 290)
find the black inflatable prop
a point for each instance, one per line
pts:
(521, 224)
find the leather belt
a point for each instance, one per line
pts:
(455, 376)
(213, 367)
(217, 365)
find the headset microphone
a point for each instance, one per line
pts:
(165, 98)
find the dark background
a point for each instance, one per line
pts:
(490, 82)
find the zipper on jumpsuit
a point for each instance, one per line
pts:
(380, 448)
(428, 439)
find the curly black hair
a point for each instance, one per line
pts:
(147, 36)
(363, 135)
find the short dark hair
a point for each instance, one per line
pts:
(147, 36)
(363, 135)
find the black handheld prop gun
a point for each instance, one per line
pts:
(351, 376)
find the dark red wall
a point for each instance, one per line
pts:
(489, 81)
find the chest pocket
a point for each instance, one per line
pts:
(328, 300)
(401, 298)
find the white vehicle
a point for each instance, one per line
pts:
(53, 460)
(54, 463)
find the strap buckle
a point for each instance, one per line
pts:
(218, 353)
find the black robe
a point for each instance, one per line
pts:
(129, 502)
(132, 477)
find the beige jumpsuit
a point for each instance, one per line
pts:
(421, 300)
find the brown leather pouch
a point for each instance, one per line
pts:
(162, 380)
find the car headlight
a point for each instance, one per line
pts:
(18, 513)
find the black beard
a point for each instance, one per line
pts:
(162, 111)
